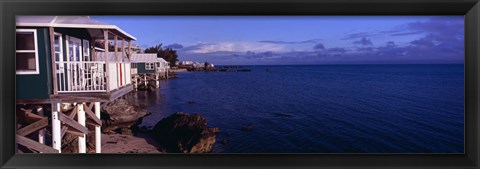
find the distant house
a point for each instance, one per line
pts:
(56, 63)
(135, 48)
(148, 63)
(187, 63)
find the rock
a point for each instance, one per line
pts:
(149, 87)
(184, 133)
(65, 107)
(120, 115)
(215, 130)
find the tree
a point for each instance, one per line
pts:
(206, 65)
(168, 54)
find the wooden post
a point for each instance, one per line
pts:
(157, 82)
(136, 81)
(123, 49)
(98, 133)
(105, 38)
(145, 79)
(41, 133)
(53, 64)
(124, 74)
(129, 51)
(94, 53)
(115, 39)
(56, 128)
(82, 140)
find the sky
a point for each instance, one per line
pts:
(280, 40)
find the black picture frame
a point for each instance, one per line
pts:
(9, 8)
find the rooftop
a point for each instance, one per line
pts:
(92, 25)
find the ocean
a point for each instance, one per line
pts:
(322, 108)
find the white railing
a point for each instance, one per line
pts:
(91, 76)
(84, 76)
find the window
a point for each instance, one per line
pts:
(74, 49)
(58, 52)
(149, 66)
(26, 52)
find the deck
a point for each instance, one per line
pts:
(93, 96)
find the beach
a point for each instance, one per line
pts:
(117, 143)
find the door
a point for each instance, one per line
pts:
(75, 65)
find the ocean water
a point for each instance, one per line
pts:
(322, 108)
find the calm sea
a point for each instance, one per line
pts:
(322, 108)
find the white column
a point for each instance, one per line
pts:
(82, 140)
(136, 82)
(157, 81)
(41, 132)
(56, 128)
(145, 79)
(98, 133)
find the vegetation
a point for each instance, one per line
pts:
(168, 54)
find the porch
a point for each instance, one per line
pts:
(92, 70)
(91, 76)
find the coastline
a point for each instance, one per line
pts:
(118, 143)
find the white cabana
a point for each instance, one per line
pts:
(159, 64)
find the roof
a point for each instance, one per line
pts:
(111, 56)
(70, 22)
(162, 60)
(144, 57)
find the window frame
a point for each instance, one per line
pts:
(86, 50)
(151, 67)
(37, 68)
(60, 61)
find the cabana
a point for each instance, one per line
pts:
(146, 66)
(57, 64)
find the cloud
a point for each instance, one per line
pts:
(319, 46)
(364, 41)
(423, 42)
(442, 29)
(336, 50)
(174, 46)
(436, 41)
(406, 33)
(236, 47)
(365, 49)
(267, 54)
(359, 35)
(291, 42)
(391, 44)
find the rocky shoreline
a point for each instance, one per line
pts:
(178, 133)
